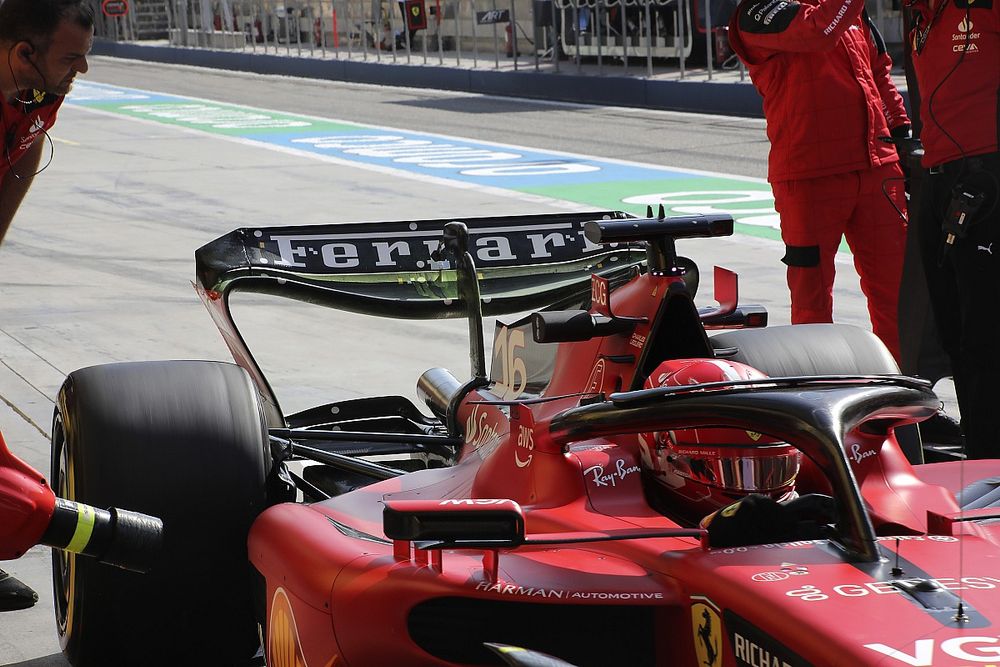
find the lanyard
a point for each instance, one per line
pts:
(923, 31)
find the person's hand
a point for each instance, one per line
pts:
(901, 139)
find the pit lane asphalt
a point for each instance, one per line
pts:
(98, 264)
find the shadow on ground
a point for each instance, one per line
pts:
(54, 660)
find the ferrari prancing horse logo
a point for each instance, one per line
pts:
(707, 627)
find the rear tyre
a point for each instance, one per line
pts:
(809, 349)
(184, 441)
(819, 349)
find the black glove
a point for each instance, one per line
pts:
(901, 131)
(902, 141)
(758, 519)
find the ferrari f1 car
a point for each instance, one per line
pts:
(637, 481)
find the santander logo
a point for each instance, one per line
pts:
(967, 648)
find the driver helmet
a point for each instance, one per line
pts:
(735, 461)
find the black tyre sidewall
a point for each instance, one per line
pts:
(184, 441)
(809, 349)
(818, 349)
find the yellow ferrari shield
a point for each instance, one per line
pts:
(707, 628)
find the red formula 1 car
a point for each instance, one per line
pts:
(628, 486)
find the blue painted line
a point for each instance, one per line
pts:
(554, 174)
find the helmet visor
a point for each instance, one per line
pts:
(741, 469)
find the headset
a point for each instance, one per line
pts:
(25, 52)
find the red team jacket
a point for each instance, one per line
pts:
(23, 124)
(826, 88)
(957, 62)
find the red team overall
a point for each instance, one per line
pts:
(823, 72)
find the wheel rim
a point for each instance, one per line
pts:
(63, 563)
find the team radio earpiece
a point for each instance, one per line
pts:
(24, 53)
(27, 51)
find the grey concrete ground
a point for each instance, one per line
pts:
(98, 264)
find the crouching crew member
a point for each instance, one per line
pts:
(43, 46)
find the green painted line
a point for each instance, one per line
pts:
(580, 179)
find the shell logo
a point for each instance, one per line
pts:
(283, 647)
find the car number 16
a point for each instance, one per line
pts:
(513, 374)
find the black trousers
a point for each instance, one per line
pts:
(964, 284)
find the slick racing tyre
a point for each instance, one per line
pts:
(818, 349)
(184, 441)
(809, 349)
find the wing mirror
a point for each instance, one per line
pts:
(457, 523)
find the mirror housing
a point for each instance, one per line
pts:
(455, 523)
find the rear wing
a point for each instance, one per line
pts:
(390, 268)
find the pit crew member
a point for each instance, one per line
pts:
(44, 45)
(956, 55)
(823, 72)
